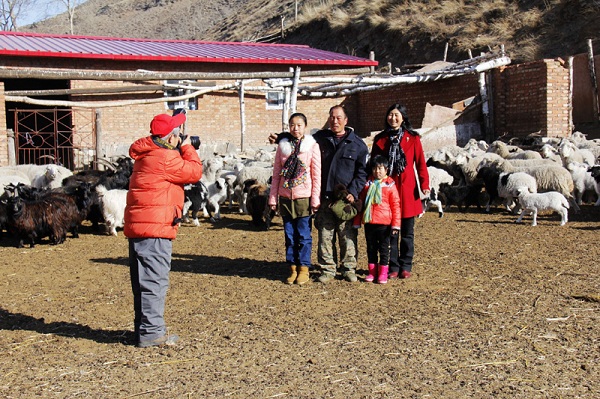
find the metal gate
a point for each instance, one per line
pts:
(66, 137)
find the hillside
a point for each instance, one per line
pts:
(400, 32)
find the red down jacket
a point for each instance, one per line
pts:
(155, 197)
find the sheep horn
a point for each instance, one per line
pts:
(49, 157)
(106, 163)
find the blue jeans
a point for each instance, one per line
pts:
(298, 240)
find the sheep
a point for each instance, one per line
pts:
(582, 181)
(504, 185)
(50, 216)
(51, 178)
(595, 172)
(257, 203)
(436, 177)
(455, 171)
(113, 204)
(217, 194)
(31, 172)
(504, 151)
(211, 168)
(549, 152)
(469, 166)
(117, 177)
(547, 177)
(196, 199)
(570, 153)
(548, 201)
(260, 174)
(263, 155)
(462, 196)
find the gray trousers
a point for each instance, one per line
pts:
(331, 229)
(149, 266)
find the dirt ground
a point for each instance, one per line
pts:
(494, 310)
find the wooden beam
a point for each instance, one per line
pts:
(79, 74)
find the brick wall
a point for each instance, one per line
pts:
(217, 119)
(372, 105)
(532, 97)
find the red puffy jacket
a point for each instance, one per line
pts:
(155, 197)
(388, 211)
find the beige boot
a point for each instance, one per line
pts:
(303, 276)
(293, 275)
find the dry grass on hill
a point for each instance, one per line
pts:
(401, 32)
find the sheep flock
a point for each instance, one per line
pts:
(49, 201)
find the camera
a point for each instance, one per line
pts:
(195, 140)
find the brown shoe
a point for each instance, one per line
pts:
(293, 274)
(303, 276)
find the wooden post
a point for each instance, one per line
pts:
(485, 106)
(98, 124)
(242, 117)
(286, 107)
(294, 93)
(12, 154)
(570, 127)
(592, 68)
(446, 52)
(282, 27)
(372, 58)
(296, 11)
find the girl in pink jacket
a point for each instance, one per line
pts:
(381, 217)
(296, 188)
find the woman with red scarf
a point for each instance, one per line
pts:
(402, 146)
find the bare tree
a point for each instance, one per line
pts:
(71, 5)
(12, 11)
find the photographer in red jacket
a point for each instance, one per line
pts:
(164, 162)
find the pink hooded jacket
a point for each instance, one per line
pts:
(310, 155)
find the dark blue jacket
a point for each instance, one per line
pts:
(345, 163)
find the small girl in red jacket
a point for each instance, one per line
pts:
(381, 217)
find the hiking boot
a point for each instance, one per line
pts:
(393, 275)
(405, 274)
(303, 276)
(350, 276)
(164, 340)
(326, 277)
(293, 275)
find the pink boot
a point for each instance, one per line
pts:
(383, 274)
(372, 273)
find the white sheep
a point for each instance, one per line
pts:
(113, 207)
(436, 177)
(49, 179)
(583, 181)
(547, 177)
(570, 153)
(550, 152)
(211, 168)
(32, 171)
(549, 201)
(470, 166)
(503, 150)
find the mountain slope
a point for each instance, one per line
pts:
(400, 32)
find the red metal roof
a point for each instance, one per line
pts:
(90, 47)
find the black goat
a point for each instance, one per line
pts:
(461, 196)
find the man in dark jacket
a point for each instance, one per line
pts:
(343, 161)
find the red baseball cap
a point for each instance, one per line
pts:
(164, 124)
